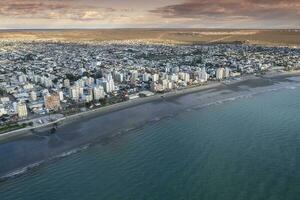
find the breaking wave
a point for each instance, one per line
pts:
(23, 170)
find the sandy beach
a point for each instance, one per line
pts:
(250, 80)
(26, 149)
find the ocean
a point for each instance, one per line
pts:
(222, 145)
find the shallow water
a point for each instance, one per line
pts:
(239, 145)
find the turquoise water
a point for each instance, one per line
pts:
(243, 149)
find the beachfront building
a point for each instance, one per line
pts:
(164, 83)
(98, 92)
(108, 86)
(74, 93)
(146, 77)
(80, 91)
(22, 110)
(227, 72)
(107, 83)
(134, 76)
(52, 102)
(155, 77)
(184, 77)
(220, 73)
(201, 75)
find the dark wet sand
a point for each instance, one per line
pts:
(108, 125)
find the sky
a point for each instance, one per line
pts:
(57, 14)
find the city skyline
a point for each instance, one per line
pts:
(54, 14)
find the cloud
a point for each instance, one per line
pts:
(18, 8)
(72, 14)
(259, 10)
(155, 13)
(53, 9)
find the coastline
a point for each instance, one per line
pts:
(108, 125)
(135, 102)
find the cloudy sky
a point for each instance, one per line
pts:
(149, 14)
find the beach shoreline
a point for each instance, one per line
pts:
(135, 102)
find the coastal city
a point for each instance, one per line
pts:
(149, 100)
(43, 82)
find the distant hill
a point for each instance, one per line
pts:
(202, 36)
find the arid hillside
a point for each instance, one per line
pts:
(266, 37)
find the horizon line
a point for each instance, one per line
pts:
(168, 28)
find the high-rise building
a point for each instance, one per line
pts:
(74, 93)
(220, 73)
(80, 91)
(108, 83)
(52, 101)
(134, 76)
(227, 72)
(146, 77)
(170, 86)
(108, 86)
(203, 76)
(155, 77)
(187, 77)
(22, 110)
(98, 93)
(184, 76)
(164, 83)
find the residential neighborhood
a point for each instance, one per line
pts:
(38, 79)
